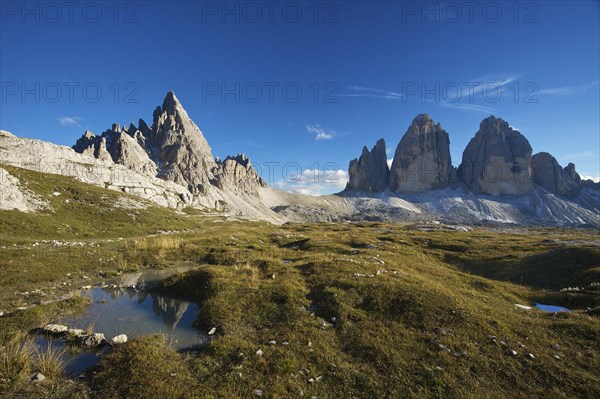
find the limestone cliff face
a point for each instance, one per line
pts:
(497, 160)
(179, 148)
(548, 174)
(174, 149)
(237, 172)
(422, 160)
(370, 171)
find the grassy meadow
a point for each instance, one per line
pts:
(361, 310)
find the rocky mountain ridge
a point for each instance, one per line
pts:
(170, 163)
(497, 161)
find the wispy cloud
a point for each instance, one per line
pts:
(576, 156)
(469, 92)
(568, 90)
(320, 132)
(469, 107)
(478, 85)
(374, 93)
(314, 182)
(70, 121)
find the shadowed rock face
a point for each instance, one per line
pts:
(548, 174)
(370, 171)
(497, 160)
(422, 160)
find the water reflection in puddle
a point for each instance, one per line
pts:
(133, 312)
(551, 308)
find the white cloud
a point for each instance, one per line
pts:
(569, 90)
(314, 182)
(70, 121)
(321, 133)
(585, 176)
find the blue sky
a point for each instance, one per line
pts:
(304, 85)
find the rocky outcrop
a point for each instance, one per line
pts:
(422, 160)
(497, 160)
(370, 171)
(548, 174)
(14, 195)
(179, 148)
(236, 173)
(172, 149)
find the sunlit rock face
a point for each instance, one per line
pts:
(497, 160)
(422, 160)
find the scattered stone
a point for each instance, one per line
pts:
(557, 357)
(118, 340)
(75, 332)
(556, 347)
(530, 355)
(212, 331)
(91, 340)
(311, 380)
(37, 377)
(258, 392)
(55, 328)
(523, 307)
(259, 352)
(511, 352)
(272, 342)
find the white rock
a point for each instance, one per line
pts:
(272, 342)
(38, 377)
(212, 331)
(92, 340)
(55, 328)
(259, 352)
(119, 340)
(76, 332)
(523, 307)
(258, 392)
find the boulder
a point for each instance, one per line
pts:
(118, 340)
(369, 172)
(548, 174)
(91, 340)
(422, 160)
(55, 329)
(497, 160)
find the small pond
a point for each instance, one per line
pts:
(118, 308)
(551, 308)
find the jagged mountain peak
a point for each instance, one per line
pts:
(171, 104)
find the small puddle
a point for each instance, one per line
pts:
(131, 311)
(551, 308)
